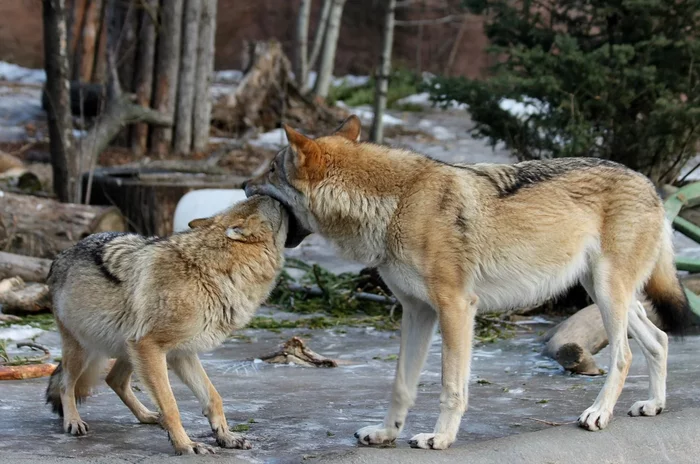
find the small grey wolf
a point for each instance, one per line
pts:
(450, 238)
(156, 302)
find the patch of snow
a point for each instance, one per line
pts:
(350, 80)
(13, 73)
(366, 114)
(275, 138)
(522, 109)
(79, 134)
(695, 175)
(420, 99)
(228, 76)
(218, 90)
(19, 332)
(439, 132)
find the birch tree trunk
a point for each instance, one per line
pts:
(63, 159)
(330, 44)
(320, 33)
(186, 81)
(143, 79)
(205, 69)
(167, 67)
(382, 80)
(301, 64)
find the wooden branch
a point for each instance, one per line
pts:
(429, 22)
(186, 81)
(30, 371)
(21, 298)
(205, 70)
(25, 267)
(320, 34)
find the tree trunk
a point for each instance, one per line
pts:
(143, 79)
(320, 34)
(167, 67)
(65, 164)
(301, 64)
(42, 227)
(382, 79)
(25, 267)
(325, 71)
(205, 70)
(85, 56)
(186, 81)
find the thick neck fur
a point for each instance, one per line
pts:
(356, 202)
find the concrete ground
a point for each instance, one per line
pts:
(517, 400)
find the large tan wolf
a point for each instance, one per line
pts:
(156, 302)
(449, 239)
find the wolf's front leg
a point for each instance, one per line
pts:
(456, 314)
(188, 368)
(417, 329)
(150, 364)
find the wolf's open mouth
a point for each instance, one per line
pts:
(295, 231)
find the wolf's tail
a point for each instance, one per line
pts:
(82, 387)
(665, 292)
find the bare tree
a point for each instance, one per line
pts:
(186, 81)
(65, 164)
(68, 159)
(330, 44)
(382, 79)
(301, 61)
(143, 79)
(205, 69)
(167, 67)
(320, 34)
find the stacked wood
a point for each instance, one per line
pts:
(15, 174)
(42, 227)
(25, 267)
(18, 297)
(267, 96)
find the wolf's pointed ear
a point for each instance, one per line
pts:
(350, 129)
(239, 234)
(203, 222)
(308, 153)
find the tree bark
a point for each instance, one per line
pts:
(330, 45)
(320, 34)
(382, 79)
(186, 81)
(205, 69)
(301, 64)
(143, 78)
(65, 163)
(85, 57)
(42, 227)
(167, 67)
(25, 267)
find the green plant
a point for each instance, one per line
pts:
(402, 83)
(615, 79)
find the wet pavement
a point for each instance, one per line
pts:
(297, 413)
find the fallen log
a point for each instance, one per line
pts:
(41, 227)
(25, 267)
(573, 342)
(18, 297)
(30, 371)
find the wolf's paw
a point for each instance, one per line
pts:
(595, 418)
(195, 448)
(646, 408)
(75, 427)
(232, 440)
(436, 441)
(149, 417)
(376, 435)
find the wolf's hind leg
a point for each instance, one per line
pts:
(149, 362)
(119, 379)
(74, 363)
(417, 330)
(654, 344)
(613, 295)
(188, 368)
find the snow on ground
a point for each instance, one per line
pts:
(273, 139)
(423, 99)
(13, 73)
(19, 332)
(366, 114)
